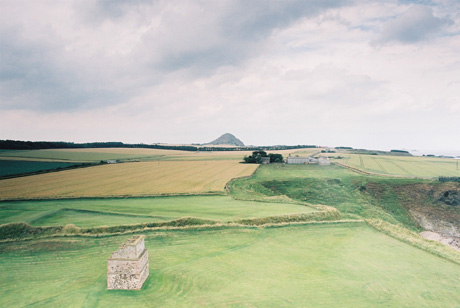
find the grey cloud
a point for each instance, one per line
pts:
(256, 19)
(95, 12)
(416, 24)
(206, 35)
(32, 77)
(71, 65)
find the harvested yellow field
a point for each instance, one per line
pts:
(128, 179)
(406, 166)
(300, 152)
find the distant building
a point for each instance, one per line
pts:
(265, 160)
(324, 161)
(111, 161)
(296, 160)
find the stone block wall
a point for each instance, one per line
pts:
(128, 267)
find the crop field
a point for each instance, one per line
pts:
(82, 155)
(425, 167)
(338, 265)
(304, 152)
(112, 212)
(128, 179)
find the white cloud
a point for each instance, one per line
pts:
(269, 72)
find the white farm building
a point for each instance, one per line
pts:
(296, 160)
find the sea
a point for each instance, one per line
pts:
(448, 153)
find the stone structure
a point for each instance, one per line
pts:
(301, 160)
(296, 160)
(324, 161)
(128, 267)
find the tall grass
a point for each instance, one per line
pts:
(327, 215)
(414, 239)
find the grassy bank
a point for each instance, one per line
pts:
(22, 231)
(113, 212)
(354, 195)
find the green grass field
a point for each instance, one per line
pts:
(353, 194)
(316, 264)
(10, 167)
(424, 167)
(339, 265)
(81, 155)
(112, 212)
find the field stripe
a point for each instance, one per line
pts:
(380, 165)
(128, 179)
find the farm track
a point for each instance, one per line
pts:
(380, 165)
(401, 167)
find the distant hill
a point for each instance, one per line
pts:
(227, 139)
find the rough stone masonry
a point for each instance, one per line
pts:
(128, 267)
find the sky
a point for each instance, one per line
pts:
(366, 74)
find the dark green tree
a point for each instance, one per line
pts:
(275, 158)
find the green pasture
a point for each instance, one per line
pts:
(330, 265)
(409, 166)
(329, 185)
(73, 156)
(112, 212)
(11, 167)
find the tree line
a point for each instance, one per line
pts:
(256, 157)
(42, 145)
(449, 179)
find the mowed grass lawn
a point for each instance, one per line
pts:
(409, 166)
(331, 265)
(112, 212)
(128, 179)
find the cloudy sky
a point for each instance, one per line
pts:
(368, 74)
